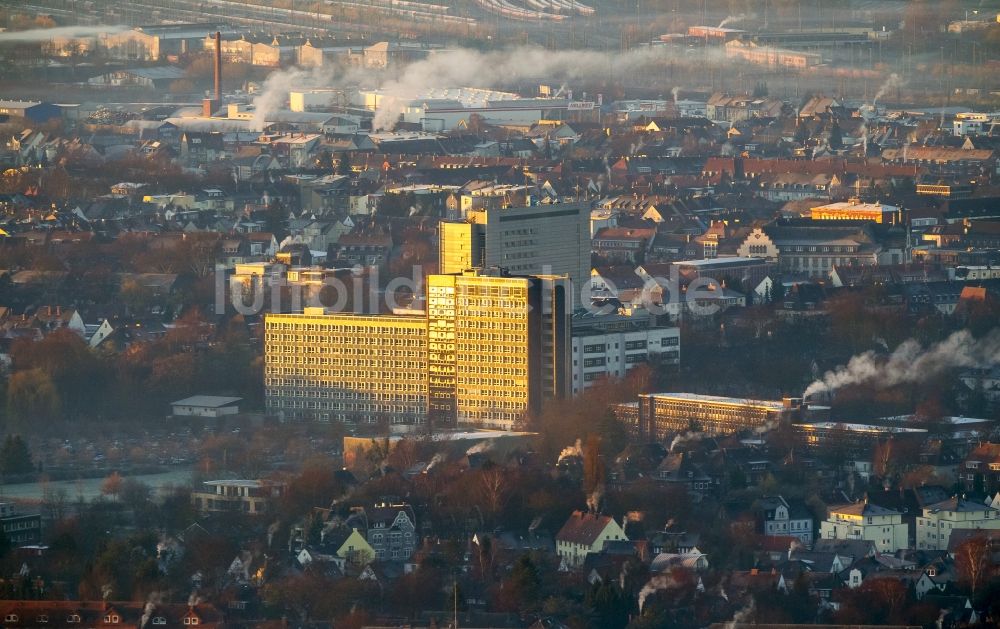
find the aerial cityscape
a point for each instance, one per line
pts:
(499, 314)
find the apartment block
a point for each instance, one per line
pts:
(938, 520)
(489, 349)
(864, 521)
(352, 368)
(499, 346)
(546, 239)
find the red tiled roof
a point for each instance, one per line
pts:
(583, 528)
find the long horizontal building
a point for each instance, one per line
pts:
(487, 352)
(656, 415)
(346, 367)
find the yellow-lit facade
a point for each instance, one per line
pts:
(551, 239)
(359, 369)
(854, 210)
(490, 350)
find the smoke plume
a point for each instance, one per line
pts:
(483, 446)
(683, 438)
(891, 83)
(573, 450)
(675, 91)
(152, 601)
(731, 19)
(658, 583)
(437, 459)
(70, 32)
(911, 363)
(273, 93)
(469, 68)
(742, 615)
(594, 499)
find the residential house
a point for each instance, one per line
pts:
(776, 517)
(940, 519)
(980, 471)
(585, 533)
(862, 520)
(391, 530)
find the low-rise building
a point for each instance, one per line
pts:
(940, 519)
(586, 533)
(656, 415)
(865, 521)
(776, 517)
(206, 406)
(19, 529)
(392, 530)
(243, 496)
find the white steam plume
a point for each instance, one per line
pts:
(731, 19)
(574, 450)
(594, 499)
(892, 82)
(437, 459)
(483, 446)
(675, 91)
(742, 616)
(469, 68)
(656, 584)
(71, 32)
(911, 363)
(683, 438)
(273, 93)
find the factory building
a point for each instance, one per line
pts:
(446, 109)
(31, 111)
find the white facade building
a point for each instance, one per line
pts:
(610, 345)
(862, 520)
(939, 520)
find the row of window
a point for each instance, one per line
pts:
(110, 619)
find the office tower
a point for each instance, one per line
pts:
(549, 239)
(498, 346)
(489, 351)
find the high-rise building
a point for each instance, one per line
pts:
(547, 239)
(498, 346)
(490, 349)
(353, 368)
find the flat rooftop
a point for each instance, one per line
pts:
(710, 262)
(866, 428)
(716, 399)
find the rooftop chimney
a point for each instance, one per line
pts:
(218, 66)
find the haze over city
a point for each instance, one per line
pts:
(527, 314)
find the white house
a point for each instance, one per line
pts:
(862, 520)
(586, 533)
(778, 518)
(940, 519)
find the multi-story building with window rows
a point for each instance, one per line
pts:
(488, 351)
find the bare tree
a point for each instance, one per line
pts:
(972, 561)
